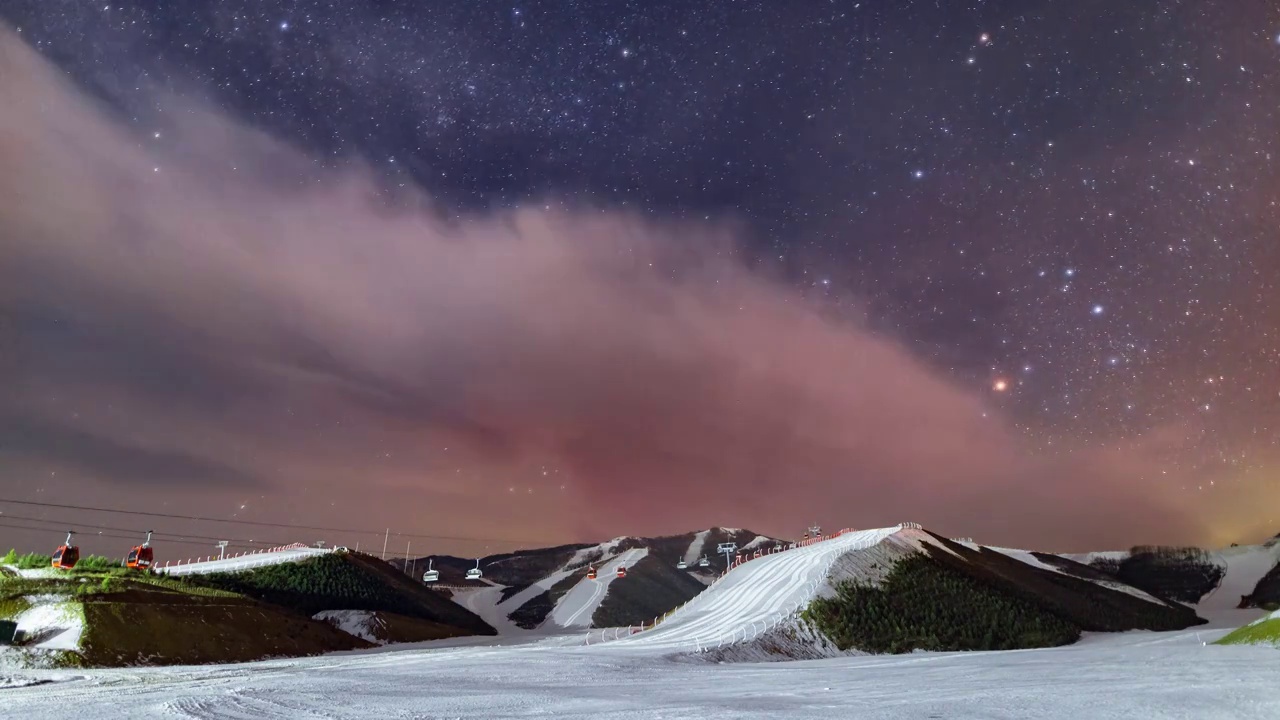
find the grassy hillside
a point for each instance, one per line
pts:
(652, 587)
(1263, 632)
(345, 581)
(949, 597)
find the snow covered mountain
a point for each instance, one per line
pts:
(900, 589)
(548, 589)
(1241, 576)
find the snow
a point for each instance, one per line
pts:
(514, 602)
(1245, 567)
(755, 543)
(694, 553)
(247, 561)
(483, 601)
(360, 623)
(753, 597)
(1270, 616)
(1030, 559)
(1087, 558)
(61, 620)
(579, 604)
(43, 573)
(603, 551)
(1154, 676)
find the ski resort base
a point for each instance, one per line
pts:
(1139, 674)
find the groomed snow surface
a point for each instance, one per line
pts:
(247, 561)
(753, 597)
(1154, 676)
(1105, 676)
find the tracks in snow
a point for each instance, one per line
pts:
(752, 595)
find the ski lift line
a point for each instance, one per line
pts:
(168, 538)
(160, 534)
(287, 526)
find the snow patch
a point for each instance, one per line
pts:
(1245, 565)
(363, 624)
(44, 573)
(55, 622)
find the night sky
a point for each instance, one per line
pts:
(522, 273)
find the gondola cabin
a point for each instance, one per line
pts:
(474, 573)
(431, 575)
(142, 556)
(591, 573)
(67, 555)
(682, 565)
(704, 562)
(622, 571)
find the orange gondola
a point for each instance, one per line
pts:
(67, 555)
(142, 556)
(591, 573)
(622, 571)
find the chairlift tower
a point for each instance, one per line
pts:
(222, 548)
(727, 549)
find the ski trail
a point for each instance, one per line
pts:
(754, 593)
(580, 603)
(694, 552)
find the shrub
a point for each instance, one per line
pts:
(925, 605)
(10, 558)
(31, 561)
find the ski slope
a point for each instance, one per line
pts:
(579, 604)
(247, 561)
(752, 596)
(1152, 676)
(1245, 565)
(694, 553)
(483, 600)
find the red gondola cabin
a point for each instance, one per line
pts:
(591, 573)
(67, 555)
(622, 571)
(141, 557)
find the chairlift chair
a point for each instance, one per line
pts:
(67, 555)
(474, 573)
(704, 562)
(431, 575)
(142, 556)
(591, 573)
(682, 565)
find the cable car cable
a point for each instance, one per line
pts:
(258, 523)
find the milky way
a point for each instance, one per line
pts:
(539, 272)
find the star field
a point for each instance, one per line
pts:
(1070, 208)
